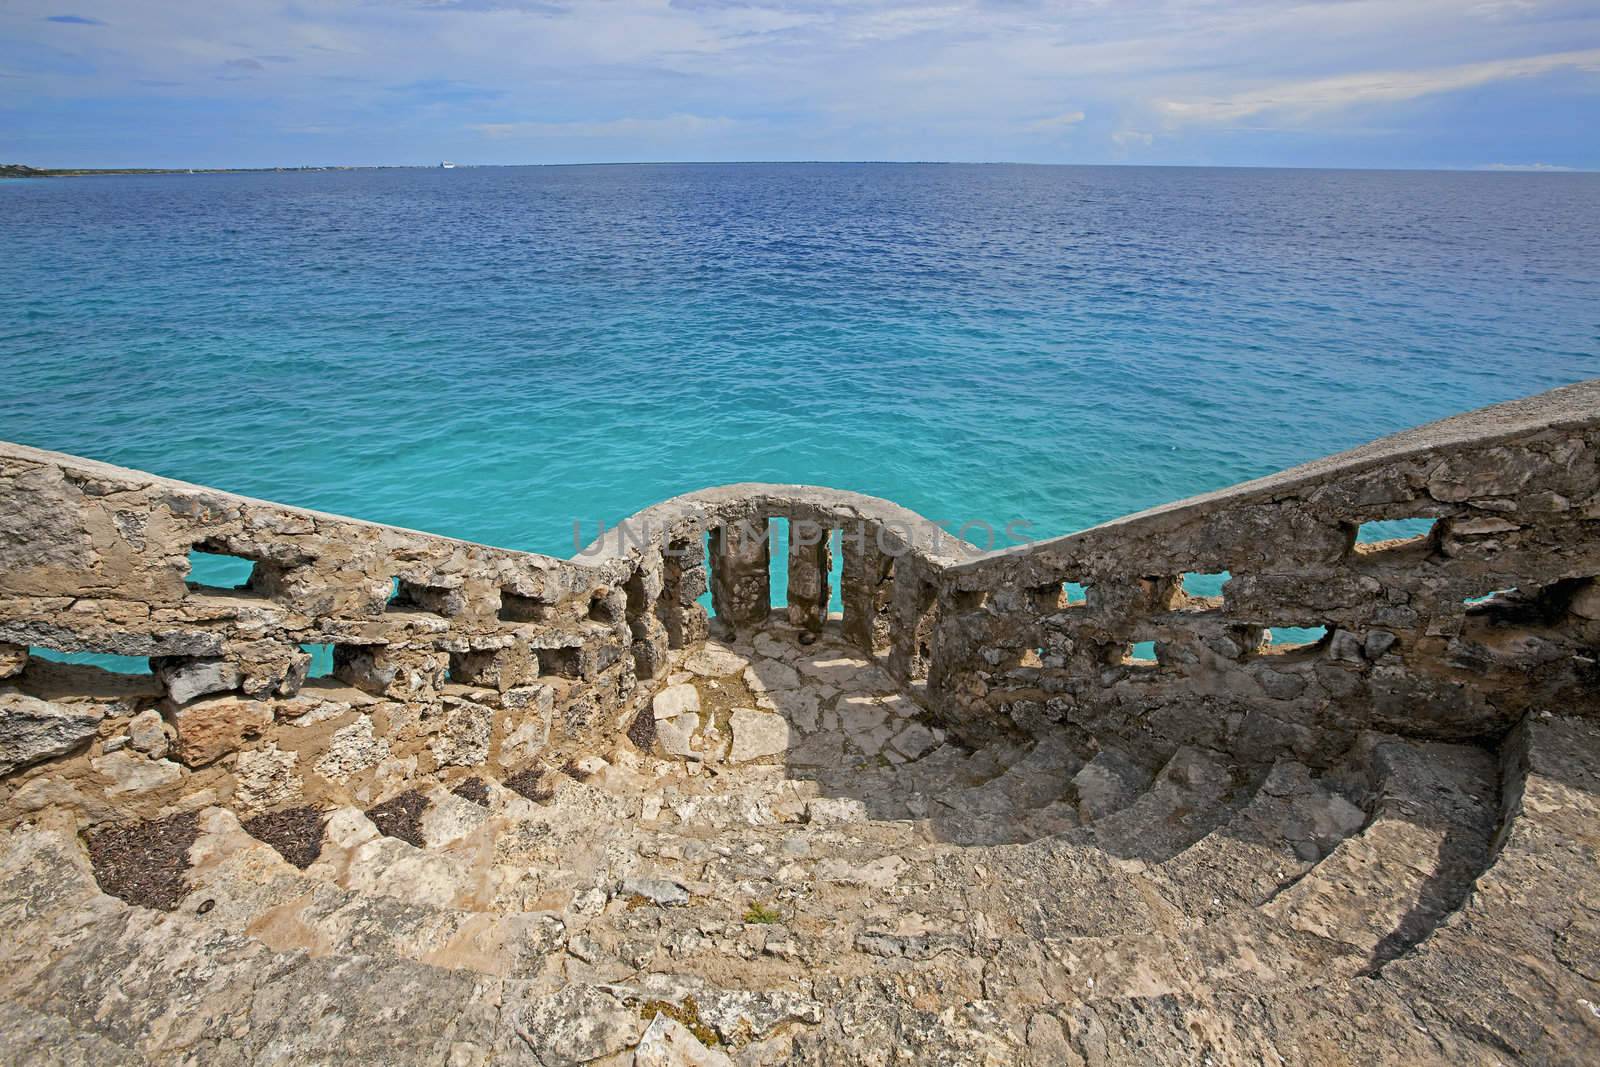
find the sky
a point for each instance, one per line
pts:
(1495, 84)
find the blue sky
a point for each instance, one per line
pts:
(1362, 83)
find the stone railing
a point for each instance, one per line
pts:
(450, 656)
(1451, 633)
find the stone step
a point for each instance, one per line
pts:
(1263, 855)
(169, 988)
(1191, 795)
(1517, 965)
(241, 885)
(1509, 976)
(1290, 822)
(1433, 810)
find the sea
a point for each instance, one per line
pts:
(517, 355)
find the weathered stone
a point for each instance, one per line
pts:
(676, 734)
(1108, 783)
(767, 675)
(741, 573)
(675, 700)
(501, 668)
(578, 1025)
(129, 773)
(210, 729)
(463, 739)
(668, 1043)
(1586, 602)
(33, 730)
(265, 778)
(352, 749)
(1345, 647)
(715, 662)
(530, 714)
(835, 810)
(13, 658)
(661, 891)
(1378, 642)
(1281, 685)
(147, 732)
(187, 679)
(914, 742)
(757, 734)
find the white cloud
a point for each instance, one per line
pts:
(666, 126)
(1539, 167)
(1128, 138)
(1056, 123)
(1348, 90)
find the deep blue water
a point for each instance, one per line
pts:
(495, 353)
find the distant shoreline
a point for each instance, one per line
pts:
(18, 170)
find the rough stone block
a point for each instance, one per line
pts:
(147, 733)
(265, 778)
(189, 679)
(757, 734)
(352, 749)
(675, 700)
(502, 668)
(210, 729)
(400, 674)
(463, 739)
(13, 658)
(33, 730)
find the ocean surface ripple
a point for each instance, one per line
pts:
(497, 353)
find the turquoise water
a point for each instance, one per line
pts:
(498, 353)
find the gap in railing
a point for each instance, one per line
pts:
(779, 534)
(321, 660)
(704, 599)
(1393, 530)
(1282, 637)
(106, 661)
(218, 571)
(1205, 583)
(836, 573)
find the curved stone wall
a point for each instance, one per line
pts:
(451, 656)
(1453, 633)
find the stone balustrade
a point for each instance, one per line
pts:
(449, 655)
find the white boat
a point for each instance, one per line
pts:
(448, 166)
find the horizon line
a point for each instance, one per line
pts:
(1484, 168)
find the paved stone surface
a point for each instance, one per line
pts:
(959, 824)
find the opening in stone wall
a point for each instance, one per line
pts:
(414, 596)
(836, 574)
(106, 661)
(1383, 530)
(778, 562)
(1077, 594)
(1282, 639)
(1205, 583)
(560, 662)
(219, 572)
(517, 608)
(321, 660)
(1141, 654)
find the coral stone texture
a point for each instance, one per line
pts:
(551, 811)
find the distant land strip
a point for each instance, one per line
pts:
(20, 170)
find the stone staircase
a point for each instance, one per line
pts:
(800, 868)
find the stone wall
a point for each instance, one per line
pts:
(447, 654)
(454, 658)
(1453, 633)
